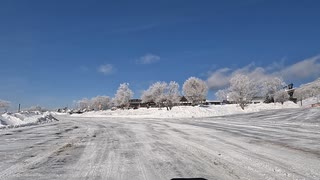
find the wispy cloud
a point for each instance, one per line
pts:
(148, 59)
(307, 68)
(106, 69)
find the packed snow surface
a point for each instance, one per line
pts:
(25, 118)
(188, 111)
(276, 144)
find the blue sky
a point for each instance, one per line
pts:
(54, 52)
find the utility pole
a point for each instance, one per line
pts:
(19, 108)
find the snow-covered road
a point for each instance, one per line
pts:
(277, 144)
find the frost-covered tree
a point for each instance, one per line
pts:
(123, 95)
(162, 94)
(100, 102)
(147, 96)
(4, 105)
(158, 92)
(195, 90)
(155, 93)
(173, 93)
(83, 104)
(281, 96)
(300, 94)
(242, 90)
(95, 103)
(222, 94)
(314, 89)
(308, 90)
(270, 86)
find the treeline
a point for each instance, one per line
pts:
(161, 93)
(241, 90)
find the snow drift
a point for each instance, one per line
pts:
(25, 118)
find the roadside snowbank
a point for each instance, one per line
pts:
(187, 111)
(26, 118)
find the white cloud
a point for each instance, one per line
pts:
(148, 59)
(219, 78)
(304, 69)
(106, 69)
(308, 68)
(278, 65)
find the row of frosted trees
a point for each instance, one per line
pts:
(121, 99)
(241, 90)
(167, 94)
(161, 93)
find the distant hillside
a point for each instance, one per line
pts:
(309, 91)
(313, 84)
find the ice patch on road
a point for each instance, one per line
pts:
(9, 120)
(188, 111)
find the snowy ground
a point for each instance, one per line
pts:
(27, 118)
(275, 144)
(188, 111)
